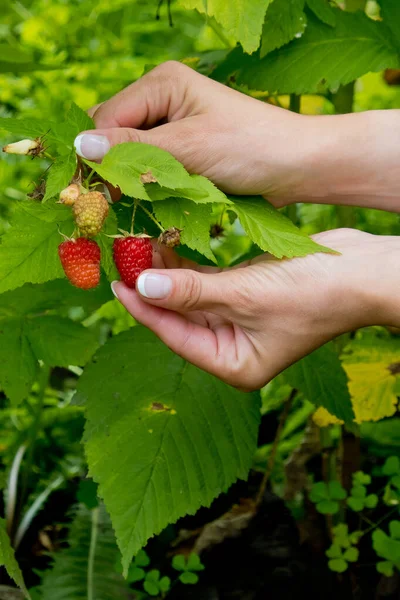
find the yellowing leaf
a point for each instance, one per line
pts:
(372, 372)
(323, 418)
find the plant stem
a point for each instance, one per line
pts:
(148, 213)
(49, 156)
(89, 177)
(135, 205)
(271, 460)
(92, 553)
(34, 432)
(12, 489)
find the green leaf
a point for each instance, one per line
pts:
(60, 175)
(8, 561)
(242, 19)
(188, 578)
(334, 551)
(355, 504)
(164, 584)
(84, 568)
(338, 565)
(125, 164)
(323, 10)
(87, 493)
(312, 62)
(106, 245)
(179, 562)
(135, 574)
(385, 546)
(371, 501)
(29, 249)
(322, 379)
(359, 491)
(170, 461)
(327, 507)
(319, 492)
(385, 567)
(153, 575)
(336, 491)
(284, 20)
(194, 563)
(203, 191)
(193, 219)
(16, 357)
(25, 128)
(142, 559)
(391, 466)
(78, 119)
(390, 11)
(361, 478)
(151, 588)
(271, 230)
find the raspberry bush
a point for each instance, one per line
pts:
(163, 438)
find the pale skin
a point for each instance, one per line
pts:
(246, 324)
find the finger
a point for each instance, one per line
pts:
(157, 95)
(92, 111)
(192, 341)
(186, 290)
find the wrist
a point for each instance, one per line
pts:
(351, 159)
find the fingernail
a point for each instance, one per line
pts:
(91, 146)
(114, 291)
(154, 286)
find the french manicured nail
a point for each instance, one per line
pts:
(113, 289)
(154, 286)
(91, 146)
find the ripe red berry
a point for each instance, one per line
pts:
(132, 255)
(80, 259)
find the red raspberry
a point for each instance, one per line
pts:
(132, 255)
(80, 259)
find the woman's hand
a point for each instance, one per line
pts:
(246, 146)
(248, 323)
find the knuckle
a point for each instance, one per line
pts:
(170, 67)
(190, 291)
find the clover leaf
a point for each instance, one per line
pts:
(387, 547)
(326, 496)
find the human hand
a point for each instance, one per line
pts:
(247, 324)
(246, 146)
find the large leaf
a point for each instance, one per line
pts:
(373, 369)
(8, 561)
(28, 252)
(271, 230)
(323, 10)
(27, 128)
(126, 166)
(390, 10)
(323, 57)
(242, 19)
(28, 333)
(285, 19)
(321, 378)
(162, 437)
(193, 219)
(86, 569)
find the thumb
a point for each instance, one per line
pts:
(94, 145)
(184, 290)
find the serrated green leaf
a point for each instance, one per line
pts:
(242, 19)
(338, 565)
(171, 461)
(188, 578)
(271, 230)
(60, 175)
(8, 561)
(322, 379)
(78, 119)
(311, 62)
(284, 20)
(25, 128)
(16, 357)
(106, 245)
(323, 10)
(29, 249)
(126, 163)
(193, 219)
(202, 192)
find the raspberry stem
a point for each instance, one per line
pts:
(148, 213)
(135, 205)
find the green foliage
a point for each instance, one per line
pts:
(388, 547)
(8, 561)
(343, 549)
(284, 20)
(179, 415)
(188, 568)
(154, 584)
(322, 379)
(327, 496)
(84, 569)
(358, 499)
